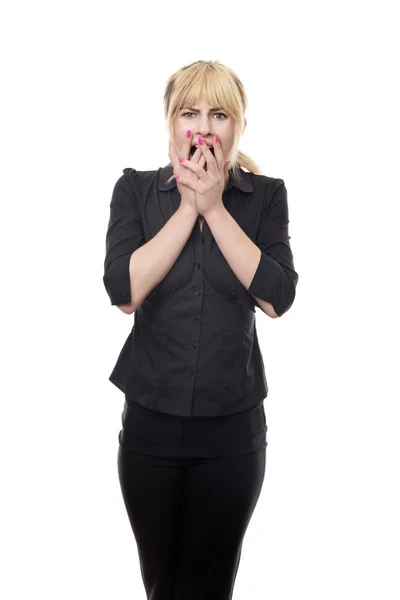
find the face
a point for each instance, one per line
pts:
(204, 121)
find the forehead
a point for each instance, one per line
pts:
(200, 102)
(197, 107)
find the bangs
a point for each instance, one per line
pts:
(210, 86)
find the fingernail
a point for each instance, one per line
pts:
(216, 137)
(176, 176)
(180, 159)
(200, 141)
(188, 133)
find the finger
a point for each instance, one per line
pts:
(197, 153)
(185, 152)
(196, 159)
(200, 160)
(191, 167)
(218, 153)
(187, 145)
(189, 180)
(197, 156)
(209, 159)
(211, 164)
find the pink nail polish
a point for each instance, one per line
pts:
(180, 159)
(200, 141)
(176, 176)
(216, 137)
(188, 133)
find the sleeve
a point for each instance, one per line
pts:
(124, 235)
(275, 279)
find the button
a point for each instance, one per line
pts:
(196, 319)
(198, 292)
(191, 373)
(199, 265)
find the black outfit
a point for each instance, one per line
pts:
(192, 448)
(193, 349)
(153, 433)
(189, 517)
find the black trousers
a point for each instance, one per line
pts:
(189, 517)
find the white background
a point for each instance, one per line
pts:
(83, 84)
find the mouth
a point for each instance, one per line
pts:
(195, 146)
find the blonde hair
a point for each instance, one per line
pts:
(219, 86)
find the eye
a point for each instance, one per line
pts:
(191, 113)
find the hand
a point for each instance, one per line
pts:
(187, 194)
(209, 185)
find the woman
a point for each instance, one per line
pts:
(191, 249)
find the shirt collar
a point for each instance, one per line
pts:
(244, 183)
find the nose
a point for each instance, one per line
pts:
(203, 127)
(206, 134)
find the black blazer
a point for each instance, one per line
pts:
(193, 349)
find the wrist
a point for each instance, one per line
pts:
(215, 211)
(188, 210)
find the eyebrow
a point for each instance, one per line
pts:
(197, 110)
